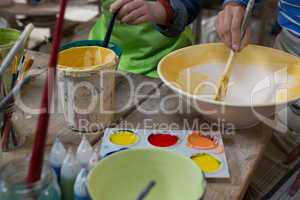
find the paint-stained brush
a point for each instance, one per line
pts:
(146, 191)
(20, 67)
(16, 48)
(109, 30)
(26, 67)
(16, 89)
(224, 80)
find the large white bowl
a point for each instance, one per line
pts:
(256, 58)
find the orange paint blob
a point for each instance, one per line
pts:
(198, 141)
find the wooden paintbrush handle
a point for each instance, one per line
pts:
(246, 18)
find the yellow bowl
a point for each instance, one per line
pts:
(252, 67)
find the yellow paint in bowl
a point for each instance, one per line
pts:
(206, 162)
(192, 82)
(86, 58)
(124, 138)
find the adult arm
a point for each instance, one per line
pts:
(184, 12)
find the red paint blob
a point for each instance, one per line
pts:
(162, 140)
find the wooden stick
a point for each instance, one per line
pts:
(38, 148)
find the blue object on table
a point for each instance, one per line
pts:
(57, 156)
(80, 189)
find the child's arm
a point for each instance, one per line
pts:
(171, 16)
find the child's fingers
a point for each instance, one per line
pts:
(140, 20)
(132, 16)
(118, 4)
(130, 7)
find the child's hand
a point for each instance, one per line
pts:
(139, 11)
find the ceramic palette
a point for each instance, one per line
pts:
(206, 149)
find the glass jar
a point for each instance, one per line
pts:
(10, 137)
(13, 184)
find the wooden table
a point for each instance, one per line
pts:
(243, 150)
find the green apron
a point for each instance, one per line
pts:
(143, 46)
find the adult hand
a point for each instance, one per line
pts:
(139, 11)
(228, 25)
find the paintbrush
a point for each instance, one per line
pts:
(5, 131)
(8, 125)
(20, 67)
(224, 80)
(146, 190)
(26, 67)
(10, 96)
(109, 30)
(38, 148)
(7, 122)
(16, 48)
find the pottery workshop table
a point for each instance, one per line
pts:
(243, 150)
(44, 16)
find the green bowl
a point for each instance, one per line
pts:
(125, 174)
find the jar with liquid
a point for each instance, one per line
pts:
(13, 184)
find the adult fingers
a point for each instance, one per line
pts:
(227, 27)
(223, 26)
(238, 14)
(218, 25)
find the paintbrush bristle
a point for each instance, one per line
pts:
(222, 89)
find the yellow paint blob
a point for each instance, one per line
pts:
(85, 58)
(124, 138)
(206, 162)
